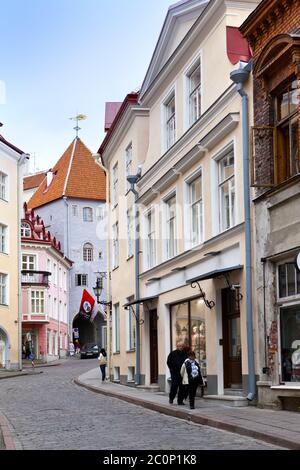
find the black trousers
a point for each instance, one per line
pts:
(176, 388)
(192, 389)
(102, 368)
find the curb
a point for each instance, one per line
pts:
(7, 436)
(181, 414)
(20, 374)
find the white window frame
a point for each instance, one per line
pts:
(74, 210)
(188, 214)
(3, 239)
(232, 189)
(130, 330)
(4, 294)
(166, 227)
(55, 274)
(150, 239)
(87, 214)
(3, 186)
(169, 121)
(116, 328)
(197, 63)
(28, 265)
(292, 297)
(37, 302)
(128, 165)
(26, 230)
(100, 212)
(130, 232)
(114, 185)
(115, 245)
(88, 252)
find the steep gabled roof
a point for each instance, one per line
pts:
(75, 175)
(13, 147)
(179, 19)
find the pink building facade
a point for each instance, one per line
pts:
(45, 292)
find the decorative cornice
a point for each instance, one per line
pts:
(228, 124)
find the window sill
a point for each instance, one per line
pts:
(4, 200)
(286, 387)
(4, 253)
(129, 257)
(4, 305)
(130, 350)
(114, 269)
(117, 353)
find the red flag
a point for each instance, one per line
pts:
(87, 305)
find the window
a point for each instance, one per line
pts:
(81, 279)
(37, 302)
(290, 343)
(55, 309)
(88, 252)
(74, 210)
(195, 210)
(131, 374)
(194, 92)
(3, 238)
(227, 191)
(49, 265)
(65, 280)
(150, 239)
(114, 185)
(87, 214)
(55, 273)
(171, 227)
(288, 280)
(100, 213)
(115, 247)
(3, 289)
(170, 120)
(287, 130)
(131, 329)
(128, 165)
(116, 374)
(3, 186)
(28, 262)
(189, 328)
(116, 328)
(130, 235)
(25, 230)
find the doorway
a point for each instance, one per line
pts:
(153, 347)
(232, 349)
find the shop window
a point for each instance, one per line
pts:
(188, 328)
(290, 343)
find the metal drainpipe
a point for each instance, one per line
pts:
(21, 162)
(239, 77)
(137, 288)
(97, 159)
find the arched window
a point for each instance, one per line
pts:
(87, 214)
(25, 230)
(88, 254)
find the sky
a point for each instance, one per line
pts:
(64, 57)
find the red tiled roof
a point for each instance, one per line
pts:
(111, 110)
(75, 175)
(33, 181)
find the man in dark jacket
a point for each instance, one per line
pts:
(175, 360)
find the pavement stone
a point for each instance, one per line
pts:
(49, 411)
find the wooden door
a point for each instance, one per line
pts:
(232, 351)
(153, 346)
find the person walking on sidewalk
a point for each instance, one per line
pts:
(191, 377)
(102, 363)
(174, 361)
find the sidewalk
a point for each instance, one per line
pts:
(281, 428)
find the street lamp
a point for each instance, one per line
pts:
(98, 291)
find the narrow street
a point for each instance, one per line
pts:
(48, 411)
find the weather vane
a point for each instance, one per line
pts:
(79, 117)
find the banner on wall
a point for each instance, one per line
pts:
(87, 305)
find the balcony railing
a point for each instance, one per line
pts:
(36, 278)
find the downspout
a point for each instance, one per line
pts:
(239, 77)
(97, 159)
(21, 162)
(67, 250)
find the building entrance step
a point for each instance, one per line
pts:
(234, 392)
(149, 388)
(229, 400)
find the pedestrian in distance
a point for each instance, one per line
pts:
(102, 363)
(191, 377)
(174, 361)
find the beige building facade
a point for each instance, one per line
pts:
(11, 164)
(190, 202)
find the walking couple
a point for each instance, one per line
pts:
(185, 375)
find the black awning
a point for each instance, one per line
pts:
(140, 301)
(213, 274)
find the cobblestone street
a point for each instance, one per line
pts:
(48, 411)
